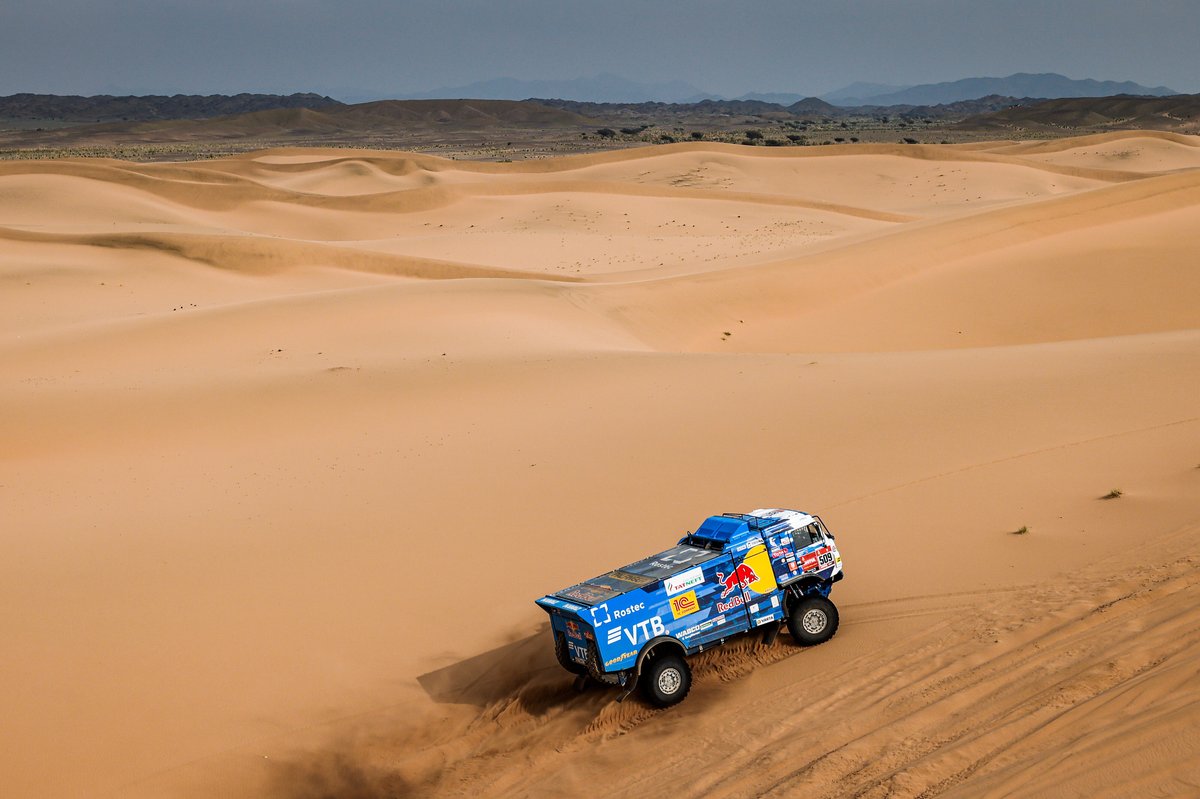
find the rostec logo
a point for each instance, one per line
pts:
(742, 575)
(684, 605)
(600, 615)
(617, 614)
(637, 633)
(683, 581)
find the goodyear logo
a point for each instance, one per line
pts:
(684, 605)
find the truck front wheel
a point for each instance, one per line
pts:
(665, 681)
(813, 621)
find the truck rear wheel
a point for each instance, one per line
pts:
(564, 658)
(813, 621)
(665, 681)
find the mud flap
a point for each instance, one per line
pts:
(580, 684)
(771, 633)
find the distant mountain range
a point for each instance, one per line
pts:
(1047, 85)
(110, 108)
(609, 88)
(603, 88)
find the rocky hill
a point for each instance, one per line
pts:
(1179, 113)
(109, 108)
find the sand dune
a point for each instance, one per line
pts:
(292, 440)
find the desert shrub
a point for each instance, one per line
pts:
(634, 131)
(838, 139)
(796, 138)
(854, 139)
(754, 135)
(697, 135)
(774, 142)
(909, 141)
(606, 133)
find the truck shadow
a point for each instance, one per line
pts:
(524, 669)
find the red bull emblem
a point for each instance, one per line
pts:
(743, 575)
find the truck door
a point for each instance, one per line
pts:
(761, 596)
(708, 610)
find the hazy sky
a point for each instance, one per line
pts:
(379, 48)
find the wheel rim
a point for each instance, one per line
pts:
(814, 621)
(669, 681)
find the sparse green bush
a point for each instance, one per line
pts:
(697, 135)
(606, 133)
(754, 135)
(1022, 530)
(1113, 494)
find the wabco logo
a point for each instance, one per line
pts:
(683, 581)
(638, 633)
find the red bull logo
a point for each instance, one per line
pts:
(743, 575)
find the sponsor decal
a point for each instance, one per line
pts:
(733, 604)
(699, 628)
(573, 629)
(754, 573)
(578, 652)
(744, 574)
(683, 581)
(637, 633)
(684, 605)
(585, 593)
(818, 560)
(618, 659)
(626, 577)
(602, 616)
(617, 614)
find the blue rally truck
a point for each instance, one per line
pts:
(634, 626)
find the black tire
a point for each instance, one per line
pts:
(665, 680)
(564, 659)
(813, 620)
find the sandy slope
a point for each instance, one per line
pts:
(292, 440)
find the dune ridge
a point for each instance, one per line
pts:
(293, 438)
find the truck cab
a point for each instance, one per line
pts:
(735, 573)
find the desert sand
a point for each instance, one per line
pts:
(291, 441)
